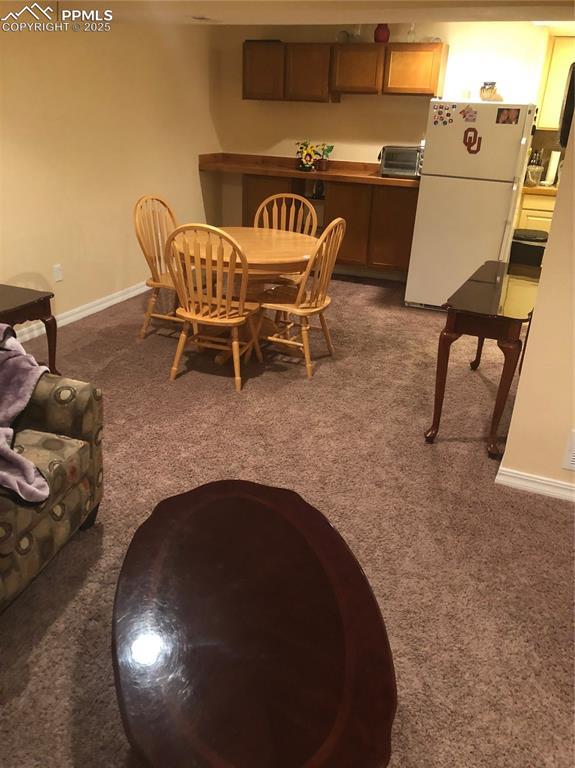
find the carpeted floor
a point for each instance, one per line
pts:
(474, 580)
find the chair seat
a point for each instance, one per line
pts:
(282, 299)
(233, 317)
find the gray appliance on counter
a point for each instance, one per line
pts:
(400, 161)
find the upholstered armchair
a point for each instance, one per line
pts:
(60, 431)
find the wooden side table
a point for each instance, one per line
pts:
(19, 305)
(491, 304)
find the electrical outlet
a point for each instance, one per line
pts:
(569, 460)
(57, 273)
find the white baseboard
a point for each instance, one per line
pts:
(37, 328)
(545, 486)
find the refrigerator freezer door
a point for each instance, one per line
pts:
(476, 141)
(460, 223)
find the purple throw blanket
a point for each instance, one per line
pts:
(19, 374)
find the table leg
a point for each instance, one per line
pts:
(525, 343)
(51, 331)
(511, 351)
(474, 364)
(446, 339)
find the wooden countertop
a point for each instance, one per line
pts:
(261, 165)
(540, 190)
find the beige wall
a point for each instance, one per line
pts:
(544, 412)
(512, 54)
(88, 123)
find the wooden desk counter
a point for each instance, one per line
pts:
(338, 170)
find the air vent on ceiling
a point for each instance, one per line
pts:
(569, 460)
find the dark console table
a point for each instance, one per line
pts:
(492, 304)
(246, 635)
(19, 305)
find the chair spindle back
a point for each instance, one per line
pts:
(209, 271)
(289, 212)
(313, 287)
(153, 221)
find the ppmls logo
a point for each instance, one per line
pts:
(37, 18)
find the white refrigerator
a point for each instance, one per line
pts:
(473, 168)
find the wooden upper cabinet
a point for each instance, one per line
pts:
(417, 68)
(357, 67)
(307, 71)
(561, 56)
(264, 63)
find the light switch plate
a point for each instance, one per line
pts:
(57, 273)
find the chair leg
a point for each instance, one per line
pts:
(148, 316)
(196, 330)
(306, 349)
(254, 328)
(179, 350)
(326, 333)
(236, 356)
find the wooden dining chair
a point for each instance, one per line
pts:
(153, 221)
(308, 298)
(287, 211)
(210, 274)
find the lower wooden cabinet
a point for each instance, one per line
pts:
(535, 212)
(391, 227)
(353, 203)
(255, 189)
(379, 219)
(535, 219)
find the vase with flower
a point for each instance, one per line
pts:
(326, 150)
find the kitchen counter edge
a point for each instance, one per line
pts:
(263, 165)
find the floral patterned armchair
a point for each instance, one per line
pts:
(60, 431)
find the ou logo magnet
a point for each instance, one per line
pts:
(472, 140)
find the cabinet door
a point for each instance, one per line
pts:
(357, 67)
(307, 71)
(263, 70)
(562, 56)
(391, 230)
(353, 203)
(255, 189)
(415, 68)
(534, 219)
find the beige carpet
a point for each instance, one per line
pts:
(474, 580)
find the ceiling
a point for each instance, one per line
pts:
(308, 12)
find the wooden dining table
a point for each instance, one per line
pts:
(269, 253)
(273, 251)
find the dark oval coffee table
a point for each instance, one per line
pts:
(246, 635)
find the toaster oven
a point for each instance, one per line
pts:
(400, 161)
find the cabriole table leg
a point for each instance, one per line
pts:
(511, 351)
(446, 339)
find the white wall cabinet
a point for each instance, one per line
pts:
(562, 55)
